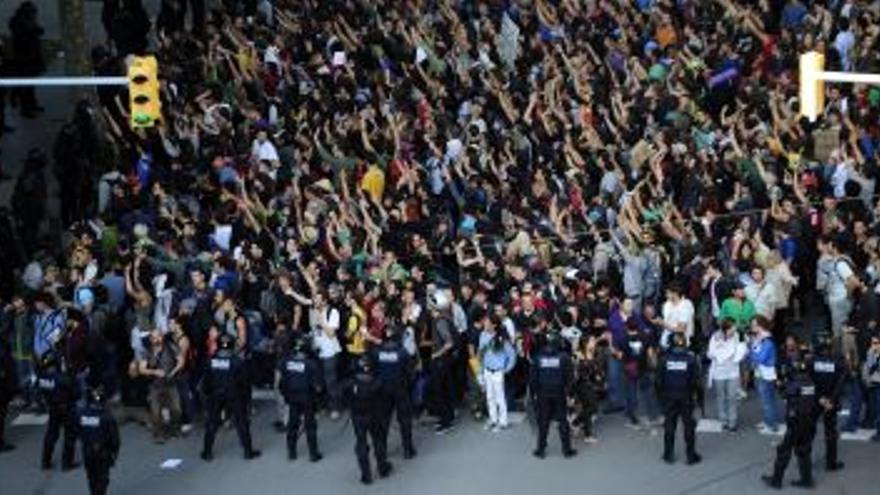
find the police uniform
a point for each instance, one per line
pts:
(802, 407)
(60, 390)
(829, 375)
(299, 380)
(678, 377)
(100, 443)
(226, 389)
(393, 369)
(551, 373)
(364, 394)
(8, 386)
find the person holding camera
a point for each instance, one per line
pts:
(159, 366)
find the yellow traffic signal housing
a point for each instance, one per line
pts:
(145, 106)
(812, 87)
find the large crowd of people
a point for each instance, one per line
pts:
(471, 176)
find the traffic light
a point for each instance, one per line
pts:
(812, 90)
(145, 106)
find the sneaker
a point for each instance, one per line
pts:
(443, 429)
(186, 428)
(591, 440)
(835, 466)
(741, 394)
(334, 415)
(489, 426)
(633, 424)
(317, 456)
(539, 453)
(366, 479)
(694, 459)
(385, 470)
(568, 454)
(253, 454)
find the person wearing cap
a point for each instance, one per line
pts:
(226, 389)
(97, 429)
(550, 377)
(677, 381)
(364, 395)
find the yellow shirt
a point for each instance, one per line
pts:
(356, 343)
(373, 182)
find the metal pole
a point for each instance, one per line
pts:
(63, 81)
(848, 77)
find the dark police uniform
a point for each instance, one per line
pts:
(394, 371)
(678, 380)
(8, 386)
(551, 373)
(829, 375)
(801, 410)
(60, 391)
(299, 381)
(100, 443)
(364, 394)
(226, 389)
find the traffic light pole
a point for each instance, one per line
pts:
(63, 81)
(848, 77)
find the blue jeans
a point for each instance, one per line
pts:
(769, 408)
(856, 399)
(874, 397)
(615, 383)
(631, 396)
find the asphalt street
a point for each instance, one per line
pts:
(468, 461)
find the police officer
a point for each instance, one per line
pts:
(551, 373)
(226, 389)
(802, 407)
(100, 440)
(60, 391)
(8, 386)
(394, 369)
(829, 375)
(299, 381)
(678, 382)
(364, 394)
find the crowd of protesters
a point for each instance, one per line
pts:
(615, 171)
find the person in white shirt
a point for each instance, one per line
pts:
(762, 294)
(835, 276)
(263, 150)
(324, 321)
(678, 315)
(725, 353)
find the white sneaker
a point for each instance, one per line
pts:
(334, 415)
(186, 428)
(499, 428)
(489, 426)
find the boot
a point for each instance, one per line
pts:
(772, 482)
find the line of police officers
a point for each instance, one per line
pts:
(812, 386)
(380, 386)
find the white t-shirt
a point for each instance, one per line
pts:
(264, 151)
(326, 345)
(840, 273)
(682, 312)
